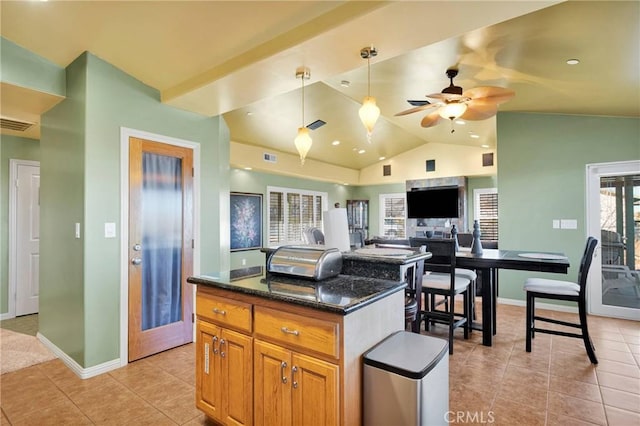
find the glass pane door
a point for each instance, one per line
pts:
(161, 240)
(613, 216)
(620, 240)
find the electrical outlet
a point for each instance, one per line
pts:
(556, 224)
(244, 262)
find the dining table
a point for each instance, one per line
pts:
(490, 261)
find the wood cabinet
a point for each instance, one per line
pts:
(294, 389)
(270, 362)
(224, 374)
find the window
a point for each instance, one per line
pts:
(485, 203)
(393, 215)
(291, 211)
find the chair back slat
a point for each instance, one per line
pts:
(585, 264)
(443, 250)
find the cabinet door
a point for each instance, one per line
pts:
(272, 384)
(315, 393)
(208, 389)
(236, 357)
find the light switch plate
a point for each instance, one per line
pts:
(556, 224)
(568, 224)
(109, 230)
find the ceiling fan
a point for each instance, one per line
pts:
(452, 103)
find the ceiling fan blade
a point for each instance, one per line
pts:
(416, 109)
(446, 97)
(490, 94)
(431, 119)
(479, 111)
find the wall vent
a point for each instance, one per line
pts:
(11, 124)
(269, 158)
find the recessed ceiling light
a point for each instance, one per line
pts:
(249, 113)
(474, 136)
(381, 158)
(485, 146)
(362, 151)
(345, 83)
(335, 143)
(248, 168)
(346, 184)
(573, 61)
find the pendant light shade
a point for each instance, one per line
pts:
(303, 140)
(303, 143)
(369, 111)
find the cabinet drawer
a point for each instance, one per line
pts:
(305, 332)
(226, 312)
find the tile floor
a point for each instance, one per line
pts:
(502, 385)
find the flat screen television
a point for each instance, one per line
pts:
(433, 203)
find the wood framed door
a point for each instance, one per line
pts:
(160, 247)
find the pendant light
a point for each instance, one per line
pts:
(369, 111)
(303, 140)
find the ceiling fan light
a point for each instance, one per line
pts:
(369, 113)
(452, 110)
(303, 143)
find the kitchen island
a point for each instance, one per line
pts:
(286, 350)
(388, 262)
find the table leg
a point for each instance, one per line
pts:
(419, 271)
(487, 306)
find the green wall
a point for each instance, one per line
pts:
(11, 148)
(62, 196)
(474, 183)
(80, 278)
(21, 67)
(256, 182)
(542, 176)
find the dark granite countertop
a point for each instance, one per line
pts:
(341, 294)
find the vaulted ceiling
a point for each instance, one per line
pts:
(239, 58)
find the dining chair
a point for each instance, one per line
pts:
(440, 279)
(469, 274)
(541, 288)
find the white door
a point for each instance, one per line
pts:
(26, 205)
(613, 217)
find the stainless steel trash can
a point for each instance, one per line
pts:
(406, 381)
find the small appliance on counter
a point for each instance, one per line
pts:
(313, 262)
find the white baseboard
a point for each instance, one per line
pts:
(83, 373)
(6, 316)
(549, 306)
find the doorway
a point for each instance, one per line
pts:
(614, 218)
(158, 244)
(24, 237)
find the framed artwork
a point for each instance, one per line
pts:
(246, 221)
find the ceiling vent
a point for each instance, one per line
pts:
(270, 158)
(316, 124)
(11, 124)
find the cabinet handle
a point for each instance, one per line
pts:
(294, 369)
(283, 365)
(286, 330)
(206, 358)
(213, 342)
(222, 342)
(218, 311)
